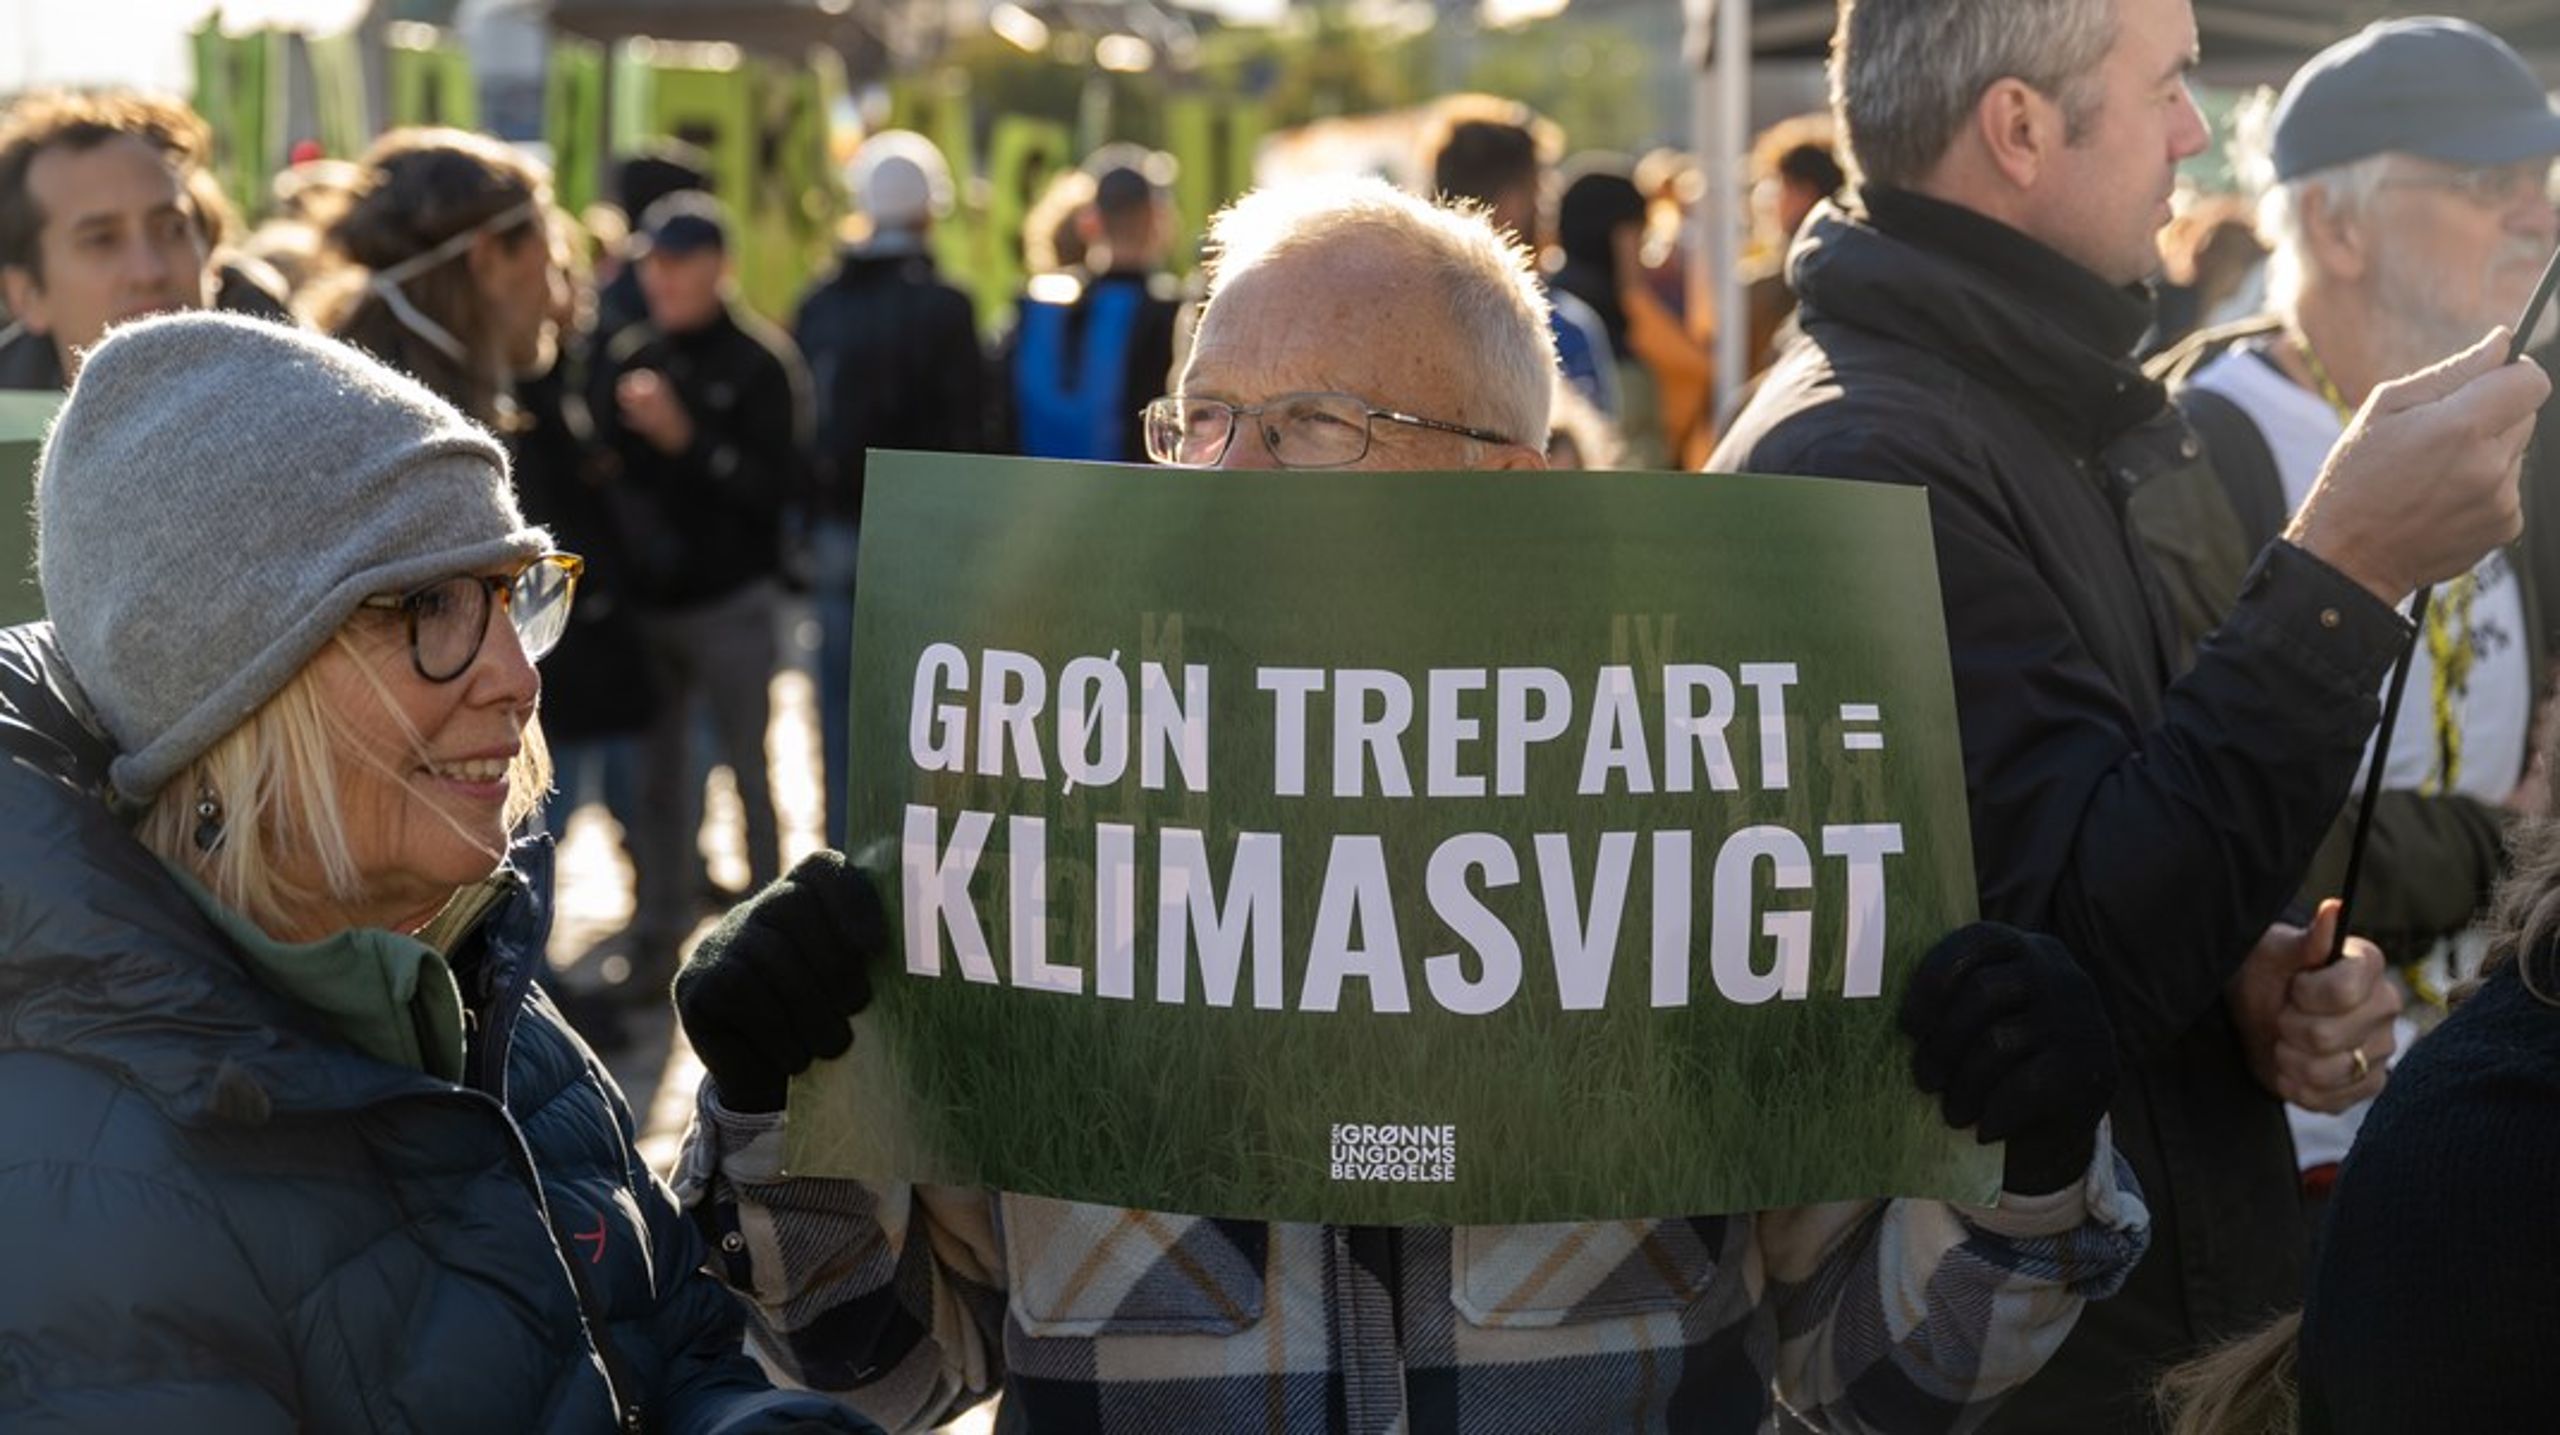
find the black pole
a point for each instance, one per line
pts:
(2374, 769)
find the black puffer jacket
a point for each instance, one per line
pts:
(2155, 827)
(893, 356)
(217, 1217)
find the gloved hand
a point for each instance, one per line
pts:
(2008, 1033)
(775, 985)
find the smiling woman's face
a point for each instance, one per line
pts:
(423, 768)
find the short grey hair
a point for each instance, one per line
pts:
(1906, 74)
(1489, 280)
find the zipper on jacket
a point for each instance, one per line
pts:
(622, 1385)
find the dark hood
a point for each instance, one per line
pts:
(2020, 317)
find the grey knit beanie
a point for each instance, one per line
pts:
(214, 500)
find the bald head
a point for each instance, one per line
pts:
(1362, 289)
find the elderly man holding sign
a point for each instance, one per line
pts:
(1357, 328)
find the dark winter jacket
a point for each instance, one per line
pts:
(2433, 1299)
(597, 683)
(28, 361)
(217, 1216)
(2157, 828)
(894, 361)
(702, 524)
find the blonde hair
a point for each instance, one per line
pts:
(275, 780)
(2243, 1387)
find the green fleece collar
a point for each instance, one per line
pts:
(389, 995)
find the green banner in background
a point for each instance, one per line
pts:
(240, 91)
(1444, 848)
(1023, 156)
(1213, 142)
(23, 420)
(573, 121)
(429, 79)
(338, 94)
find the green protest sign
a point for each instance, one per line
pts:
(23, 419)
(1453, 848)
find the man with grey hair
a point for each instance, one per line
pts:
(1969, 318)
(2410, 212)
(1352, 326)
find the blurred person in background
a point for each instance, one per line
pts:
(1053, 231)
(2211, 269)
(1501, 155)
(1673, 188)
(305, 200)
(443, 267)
(2409, 209)
(1795, 166)
(894, 363)
(702, 414)
(599, 695)
(657, 169)
(1665, 379)
(1089, 350)
(103, 219)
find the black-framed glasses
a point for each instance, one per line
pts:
(449, 618)
(1299, 430)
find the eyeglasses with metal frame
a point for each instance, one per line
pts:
(1313, 430)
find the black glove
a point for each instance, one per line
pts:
(2008, 1033)
(773, 987)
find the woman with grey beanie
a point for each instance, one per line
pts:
(288, 1139)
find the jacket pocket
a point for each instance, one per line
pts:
(1085, 1271)
(1534, 1277)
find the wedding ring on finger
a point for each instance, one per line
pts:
(2364, 1068)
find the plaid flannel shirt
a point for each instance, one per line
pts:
(913, 1303)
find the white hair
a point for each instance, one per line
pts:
(1490, 282)
(2284, 206)
(2284, 220)
(1907, 74)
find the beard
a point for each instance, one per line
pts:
(2427, 317)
